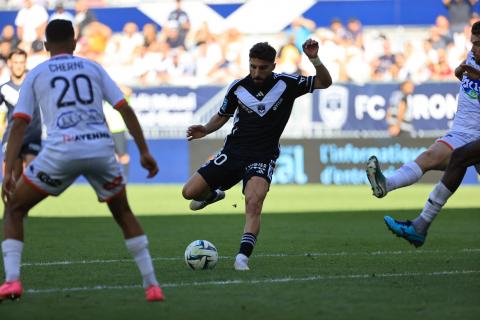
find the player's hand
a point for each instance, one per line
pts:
(149, 163)
(310, 47)
(196, 132)
(471, 72)
(8, 187)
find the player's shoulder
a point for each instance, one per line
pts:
(235, 84)
(287, 77)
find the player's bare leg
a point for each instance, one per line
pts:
(137, 244)
(197, 190)
(16, 209)
(255, 193)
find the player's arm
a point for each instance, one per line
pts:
(199, 131)
(322, 76)
(135, 130)
(15, 140)
(459, 71)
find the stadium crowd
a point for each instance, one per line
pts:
(178, 54)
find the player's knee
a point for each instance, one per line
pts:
(187, 192)
(254, 203)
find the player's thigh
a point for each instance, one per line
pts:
(105, 175)
(436, 157)
(25, 197)
(196, 186)
(50, 175)
(467, 155)
(223, 172)
(262, 168)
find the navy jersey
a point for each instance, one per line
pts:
(261, 112)
(9, 93)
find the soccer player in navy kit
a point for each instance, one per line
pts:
(261, 104)
(9, 92)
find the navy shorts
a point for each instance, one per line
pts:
(227, 169)
(29, 146)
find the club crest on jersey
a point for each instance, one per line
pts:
(261, 108)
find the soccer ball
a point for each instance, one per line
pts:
(201, 254)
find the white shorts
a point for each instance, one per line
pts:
(455, 139)
(50, 175)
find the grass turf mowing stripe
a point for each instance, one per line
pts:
(263, 281)
(272, 255)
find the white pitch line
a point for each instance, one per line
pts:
(262, 281)
(271, 255)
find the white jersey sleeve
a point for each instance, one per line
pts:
(26, 100)
(112, 93)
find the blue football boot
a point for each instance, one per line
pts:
(405, 229)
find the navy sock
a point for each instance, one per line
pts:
(247, 243)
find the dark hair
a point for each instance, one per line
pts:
(17, 51)
(263, 51)
(59, 31)
(476, 28)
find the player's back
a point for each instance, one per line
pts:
(70, 91)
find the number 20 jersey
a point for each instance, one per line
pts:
(70, 91)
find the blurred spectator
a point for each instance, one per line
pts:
(150, 35)
(5, 48)
(354, 32)
(398, 114)
(94, 40)
(37, 54)
(459, 13)
(83, 17)
(61, 13)
(177, 27)
(31, 22)
(339, 32)
(301, 28)
(126, 42)
(441, 70)
(8, 34)
(382, 66)
(289, 57)
(203, 34)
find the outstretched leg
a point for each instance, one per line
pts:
(435, 158)
(197, 190)
(415, 231)
(137, 244)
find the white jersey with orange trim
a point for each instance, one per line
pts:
(70, 92)
(467, 117)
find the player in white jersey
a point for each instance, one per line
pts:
(465, 129)
(70, 92)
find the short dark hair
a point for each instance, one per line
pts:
(476, 28)
(59, 31)
(16, 51)
(263, 51)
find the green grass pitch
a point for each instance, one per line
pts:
(323, 253)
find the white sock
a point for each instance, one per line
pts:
(12, 255)
(138, 248)
(437, 199)
(404, 176)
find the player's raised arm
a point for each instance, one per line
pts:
(322, 77)
(135, 130)
(199, 131)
